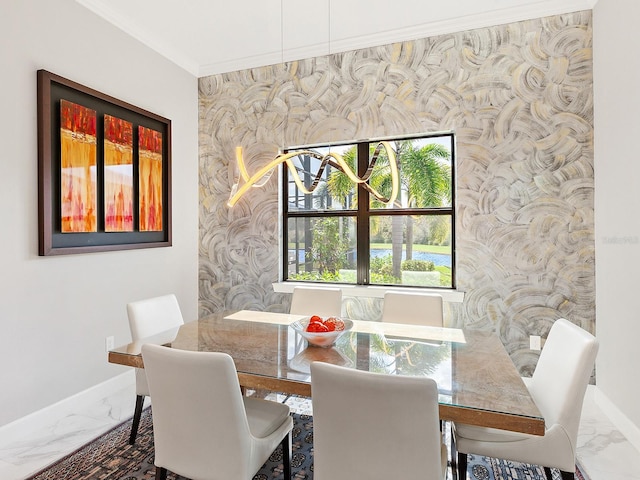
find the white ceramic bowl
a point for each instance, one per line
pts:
(320, 339)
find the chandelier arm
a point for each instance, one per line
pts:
(333, 159)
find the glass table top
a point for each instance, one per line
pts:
(477, 380)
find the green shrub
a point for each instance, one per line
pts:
(380, 279)
(329, 249)
(381, 265)
(418, 266)
(315, 276)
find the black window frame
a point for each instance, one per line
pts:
(363, 213)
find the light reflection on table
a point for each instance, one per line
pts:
(477, 380)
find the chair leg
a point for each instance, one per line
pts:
(286, 456)
(136, 419)
(161, 473)
(454, 453)
(563, 474)
(462, 466)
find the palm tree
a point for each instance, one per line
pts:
(426, 179)
(339, 186)
(426, 182)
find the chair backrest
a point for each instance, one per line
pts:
(413, 308)
(560, 380)
(199, 420)
(372, 425)
(153, 315)
(322, 301)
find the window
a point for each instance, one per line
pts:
(342, 229)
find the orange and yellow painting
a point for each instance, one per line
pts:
(118, 175)
(78, 167)
(150, 171)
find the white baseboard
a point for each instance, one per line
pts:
(619, 419)
(79, 402)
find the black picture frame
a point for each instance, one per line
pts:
(52, 240)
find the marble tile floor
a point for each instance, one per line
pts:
(602, 450)
(31, 451)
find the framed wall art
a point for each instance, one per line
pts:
(104, 171)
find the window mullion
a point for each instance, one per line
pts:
(362, 222)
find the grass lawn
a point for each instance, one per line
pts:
(445, 275)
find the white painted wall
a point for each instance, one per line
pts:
(55, 312)
(617, 201)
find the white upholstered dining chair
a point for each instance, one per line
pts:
(558, 386)
(375, 426)
(203, 428)
(148, 317)
(412, 308)
(322, 301)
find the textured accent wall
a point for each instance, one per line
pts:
(519, 98)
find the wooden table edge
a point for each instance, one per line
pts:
(126, 359)
(485, 418)
(504, 421)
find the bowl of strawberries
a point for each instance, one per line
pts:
(322, 332)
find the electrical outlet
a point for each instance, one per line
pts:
(109, 343)
(535, 342)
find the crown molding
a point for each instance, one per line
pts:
(486, 19)
(469, 22)
(499, 16)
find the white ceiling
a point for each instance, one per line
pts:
(206, 37)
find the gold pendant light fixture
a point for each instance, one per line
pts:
(260, 178)
(335, 160)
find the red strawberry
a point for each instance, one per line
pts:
(317, 327)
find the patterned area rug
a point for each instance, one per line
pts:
(485, 468)
(111, 457)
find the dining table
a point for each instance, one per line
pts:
(477, 381)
